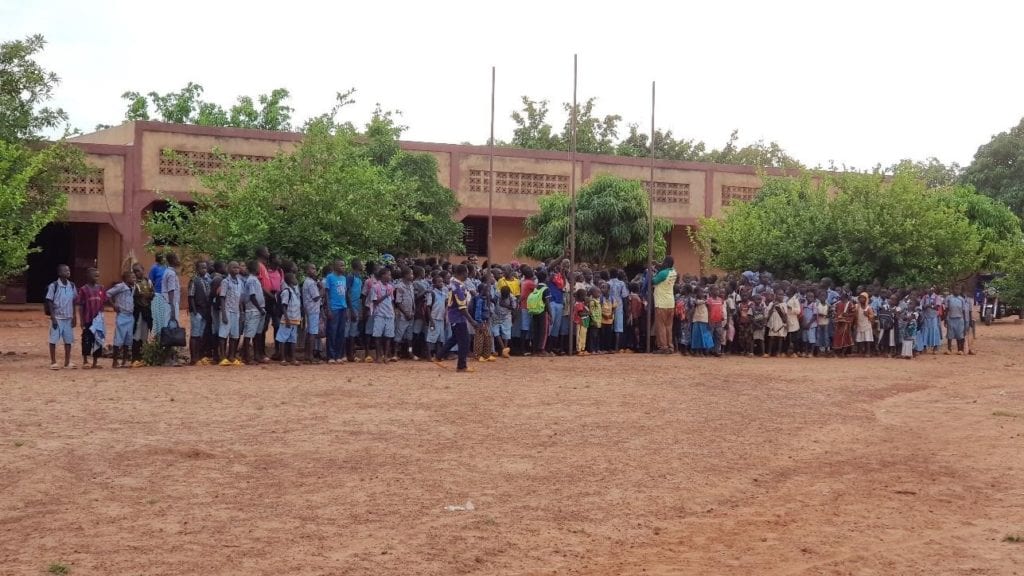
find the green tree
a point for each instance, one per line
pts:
(611, 225)
(782, 230)
(430, 228)
(665, 146)
(186, 106)
(336, 195)
(593, 135)
(997, 227)
(934, 172)
(770, 155)
(600, 135)
(998, 168)
(24, 87)
(30, 172)
(1011, 286)
(532, 128)
(858, 227)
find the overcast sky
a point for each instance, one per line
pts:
(855, 82)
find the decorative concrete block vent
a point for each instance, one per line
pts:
(669, 192)
(732, 194)
(518, 183)
(191, 163)
(90, 183)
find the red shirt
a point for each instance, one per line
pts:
(91, 299)
(716, 310)
(581, 312)
(264, 277)
(527, 286)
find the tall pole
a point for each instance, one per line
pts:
(568, 274)
(650, 226)
(490, 178)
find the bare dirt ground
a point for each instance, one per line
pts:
(602, 465)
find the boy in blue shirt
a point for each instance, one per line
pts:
(382, 295)
(311, 305)
(501, 321)
(230, 295)
(435, 302)
(291, 317)
(336, 290)
(122, 296)
(254, 306)
(355, 308)
(405, 314)
(61, 297)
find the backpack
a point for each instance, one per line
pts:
(535, 301)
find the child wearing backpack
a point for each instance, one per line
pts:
(61, 297)
(291, 317)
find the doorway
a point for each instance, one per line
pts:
(74, 244)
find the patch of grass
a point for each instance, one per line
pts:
(58, 568)
(1014, 538)
(151, 501)
(1007, 414)
(19, 443)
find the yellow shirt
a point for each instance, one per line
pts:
(513, 286)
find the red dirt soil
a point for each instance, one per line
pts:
(602, 465)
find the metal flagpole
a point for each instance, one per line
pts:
(490, 178)
(650, 227)
(568, 274)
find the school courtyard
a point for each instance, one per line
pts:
(602, 465)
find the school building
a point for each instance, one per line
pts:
(106, 209)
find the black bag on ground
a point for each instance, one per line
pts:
(172, 335)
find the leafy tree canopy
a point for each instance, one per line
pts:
(998, 168)
(1011, 285)
(600, 135)
(186, 106)
(861, 227)
(611, 225)
(24, 87)
(340, 193)
(30, 172)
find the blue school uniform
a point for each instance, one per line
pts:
(809, 313)
(436, 299)
(62, 297)
(930, 335)
(124, 325)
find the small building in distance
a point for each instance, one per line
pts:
(106, 208)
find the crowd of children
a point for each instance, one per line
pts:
(428, 309)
